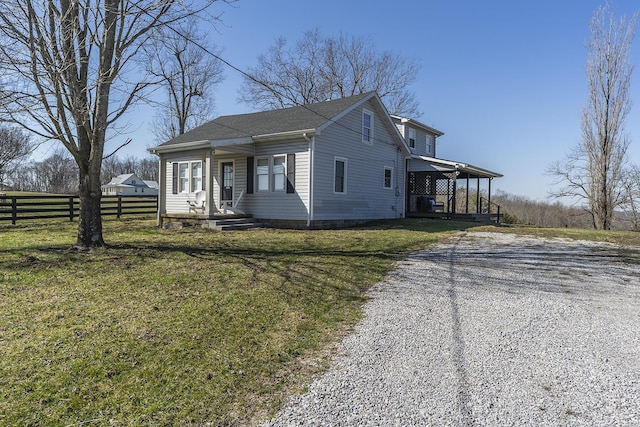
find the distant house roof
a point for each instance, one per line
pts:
(120, 179)
(263, 124)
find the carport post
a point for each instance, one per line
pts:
(478, 207)
(467, 191)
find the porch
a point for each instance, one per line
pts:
(439, 188)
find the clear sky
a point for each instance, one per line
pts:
(503, 79)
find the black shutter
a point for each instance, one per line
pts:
(204, 175)
(249, 175)
(175, 178)
(291, 173)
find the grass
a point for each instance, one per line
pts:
(185, 327)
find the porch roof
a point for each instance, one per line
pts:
(431, 164)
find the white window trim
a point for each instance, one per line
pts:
(192, 178)
(344, 183)
(370, 113)
(430, 143)
(390, 169)
(257, 185)
(189, 188)
(272, 175)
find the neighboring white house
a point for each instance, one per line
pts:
(129, 184)
(332, 163)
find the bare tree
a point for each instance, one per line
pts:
(631, 206)
(593, 171)
(15, 147)
(318, 68)
(69, 68)
(189, 76)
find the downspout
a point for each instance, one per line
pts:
(312, 146)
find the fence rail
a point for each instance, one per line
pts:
(14, 208)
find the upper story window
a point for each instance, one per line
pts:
(412, 138)
(367, 126)
(430, 141)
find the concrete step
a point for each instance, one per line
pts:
(230, 224)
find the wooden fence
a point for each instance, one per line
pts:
(14, 208)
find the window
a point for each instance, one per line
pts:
(412, 138)
(196, 176)
(388, 177)
(367, 126)
(430, 144)
(183, 177)
(262, 174)
(340, 176)
(279, 173)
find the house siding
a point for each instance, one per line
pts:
(177, 203)
(280, 204)
(365, 197)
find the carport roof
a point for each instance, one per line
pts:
(432, 164)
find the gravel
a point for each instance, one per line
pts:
(490, 329)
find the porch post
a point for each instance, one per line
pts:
(210, 206)
(489, 197)
(162, 188)
(478, 197)
(467, 191)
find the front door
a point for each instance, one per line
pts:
(227, 181)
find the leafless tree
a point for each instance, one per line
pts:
(15, 146)
(631, 206)
(318, 68)
(189, 75)
(69, 66)
(593, 170)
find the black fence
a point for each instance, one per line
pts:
(22, 208)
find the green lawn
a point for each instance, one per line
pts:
(179, 328)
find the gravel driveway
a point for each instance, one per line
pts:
(490, 329)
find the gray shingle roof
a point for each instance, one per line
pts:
(310, 116)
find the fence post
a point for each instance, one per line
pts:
(71, 209)
(14, 210)
(119, 209)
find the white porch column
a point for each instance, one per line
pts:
(210, 205)
(162, 187)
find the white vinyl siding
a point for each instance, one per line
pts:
(364, 172)
(278, 204)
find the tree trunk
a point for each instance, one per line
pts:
(90, 219)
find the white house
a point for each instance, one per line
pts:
(129, 184)
(333, 163)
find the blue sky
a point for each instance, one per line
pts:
(503, 79)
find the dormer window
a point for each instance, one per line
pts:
(430, 144)
(412, 138)
(367, 127)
